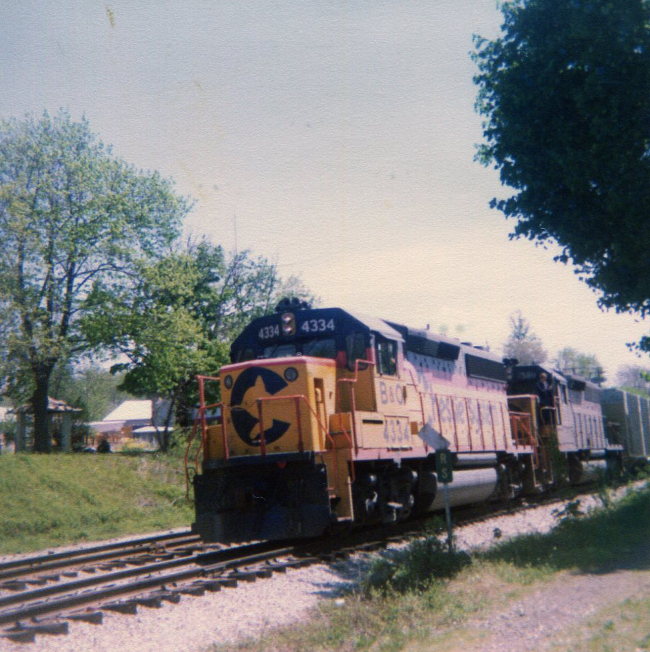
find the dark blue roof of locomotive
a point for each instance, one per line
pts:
(346, 323)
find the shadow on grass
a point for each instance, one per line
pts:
(607, 540)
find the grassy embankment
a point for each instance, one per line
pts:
(422, 599)
(50, 500)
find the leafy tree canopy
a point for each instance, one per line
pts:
(90, 388)
(72, 215)
(179, 318)
(587, 365)
(523, 344)
(633, 378)
(564, 91)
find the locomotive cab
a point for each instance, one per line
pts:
(529, 380)
(569, 419)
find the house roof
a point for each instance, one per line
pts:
(130, 411)
(53, 405)
(106, 426)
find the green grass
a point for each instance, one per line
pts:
(588, 544)
(50, 500)
(418, 599)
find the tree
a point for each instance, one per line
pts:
(587, 365)
(91, 388)
(564, 91)
(523, 344)
(71, 215)
(633, 378)
(179, 319)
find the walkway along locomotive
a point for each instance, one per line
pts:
(330, 417)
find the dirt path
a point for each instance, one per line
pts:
(537, 621)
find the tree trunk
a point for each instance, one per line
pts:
(39, 401)
(164, 433)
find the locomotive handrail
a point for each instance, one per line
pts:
(523, 419)
(200, 417)
(297, 398)
(353, 408)
(197, 420)
(205, 428)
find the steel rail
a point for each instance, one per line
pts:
(65, 602)
(201, 565)
(84, 557)
(66, 554)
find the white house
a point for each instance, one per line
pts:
(133, 418)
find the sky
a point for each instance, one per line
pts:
(335, 138)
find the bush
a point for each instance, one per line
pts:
(414, 567)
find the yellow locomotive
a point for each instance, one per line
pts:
(329, 417)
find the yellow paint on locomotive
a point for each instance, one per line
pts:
(363, 387)
(296, 397)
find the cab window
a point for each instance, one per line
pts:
(243, 355)
(316, 348)
(564, 394)
(319, 348)
(355, 349)
(386, 354)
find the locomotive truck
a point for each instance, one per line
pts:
(330, 418)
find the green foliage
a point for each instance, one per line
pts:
(414, 567)
(586, 543)
(523, 344)
(64, 499)
(72, 216)
(178, 318)
(88, 263)
(564, 91)
(587, 365)
(9, 429)
(92, 389)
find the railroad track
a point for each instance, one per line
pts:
(41, 595)
(46, 563)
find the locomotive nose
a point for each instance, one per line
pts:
(277, 406)
(252, 394)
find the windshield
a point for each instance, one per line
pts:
(317, 348)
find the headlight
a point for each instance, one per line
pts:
(227, 381)
(288, 324)
(290, 374)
